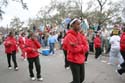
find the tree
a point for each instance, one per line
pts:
(100, 12)
(4, 3)
(103, 12)
(16, 23)
(62, 9)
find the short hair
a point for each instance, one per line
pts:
(10, 33)
(124, 29)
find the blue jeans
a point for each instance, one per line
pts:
(51, 47)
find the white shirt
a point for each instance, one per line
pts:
(115, 42)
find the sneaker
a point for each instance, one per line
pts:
(86, 62)
(109, 63)
(40, 79)
(119, 66)
(118, 74)
(9, 68)
(51, 54)
(16, 69)
(33, 78)
(67, 68)
(25, 59)
(103, 61)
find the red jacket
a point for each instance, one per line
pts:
(97, 42)
(31, 48)
(76, 52)
(122, 42)
(21, 42)
(10, 44)
(86, 40)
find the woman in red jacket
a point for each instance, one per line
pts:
(31, 48)
(97, 45)
(10, 44)
(76, 47)
(22, 41)
(121, 69)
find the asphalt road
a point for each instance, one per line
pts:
(53, 70)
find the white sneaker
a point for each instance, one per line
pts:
(33, 78)
(16, 69)
(67, 68)
(86, 62)
(109, 63)
(51, 53)
(40, 79)
(103, 61)
(118, 74)
(9, 68)
(25, 59)
(119, 66)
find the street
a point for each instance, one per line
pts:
(53, 71)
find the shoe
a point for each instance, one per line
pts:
(86, 62)
(119, 66)
(51, 54)
(118, 74)
(40, 79)
(24, 59)
(67, 68)
(103, 61)
(109, 63)
(10, 68)
(16, 69)
(33, 78)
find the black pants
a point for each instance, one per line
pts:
(86, 54)
(13, 55)
(35, 61)
(122, 70)
(78, 72)
(66, 61)
(97, 52)
(91, 47)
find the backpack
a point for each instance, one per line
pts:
(122, 42)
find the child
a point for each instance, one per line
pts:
(121, 70)
(22, 41)
(97, 45)
(51, 41)
(76, 47)
(31, 48)
(10, 44)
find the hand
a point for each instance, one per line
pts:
(34, 50)
(72, 44)
(10, 43)
(33, 38)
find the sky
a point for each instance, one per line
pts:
(15, 9)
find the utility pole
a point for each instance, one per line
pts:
(81, 7)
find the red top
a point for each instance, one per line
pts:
(22, 42)
(76, 46)
(97, 42)
(31, 48)
(10, 44)
(122, 42)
